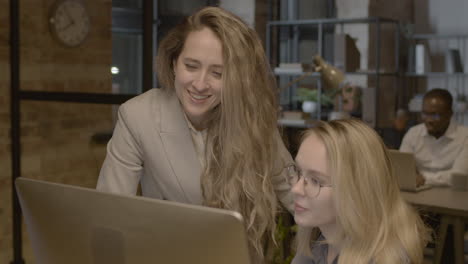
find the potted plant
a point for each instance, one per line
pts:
(309, 98)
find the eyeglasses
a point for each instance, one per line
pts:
(311, 185)
(433, 116)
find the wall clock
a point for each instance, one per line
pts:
(69, 22)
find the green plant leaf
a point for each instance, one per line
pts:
(306, 94)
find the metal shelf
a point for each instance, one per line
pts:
(295, 74)
(373, 73)
(296, 123)
(322, 26)
(364, 20)
(436, 36)
(436, 74)
(317, 75)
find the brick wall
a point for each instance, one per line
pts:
(56, 137)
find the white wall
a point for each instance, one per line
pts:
(243, 8)
(360, 32)
(449, 16)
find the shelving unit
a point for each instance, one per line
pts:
(436, 74)
(441, 43)
(323, 26)
(455, 82)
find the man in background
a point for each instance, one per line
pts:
(440, 145)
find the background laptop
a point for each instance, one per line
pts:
(68, 224)
(404, 166)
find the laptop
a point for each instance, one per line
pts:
(404, 166)
(74, 225)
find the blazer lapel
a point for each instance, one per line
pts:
(179, 148)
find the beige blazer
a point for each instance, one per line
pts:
(151, 143)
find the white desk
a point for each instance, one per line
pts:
(453, 206)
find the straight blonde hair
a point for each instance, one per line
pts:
(375, 224)
(242, 147)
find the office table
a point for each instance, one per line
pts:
(453, 207)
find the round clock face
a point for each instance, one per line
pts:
(70, 22)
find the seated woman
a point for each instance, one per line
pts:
(347, 201)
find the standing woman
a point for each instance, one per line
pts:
(209, 135)
(347, 201)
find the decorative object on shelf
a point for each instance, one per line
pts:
(69, 22)
(309, 106)
(311, 94)
(332, 77)
(309, 99)
(422, 59)
(453, 62)
(348, 98)
(344, 97)
(346, 55)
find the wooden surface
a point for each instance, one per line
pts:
(441, 200)
(453, 207)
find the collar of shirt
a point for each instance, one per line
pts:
(320, 252)
(189, 123)
(199, 140)
(450, 133)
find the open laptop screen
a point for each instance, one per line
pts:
(69, 224)
(404, 166)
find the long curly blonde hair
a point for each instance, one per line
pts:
(375, 224)
(242, 143)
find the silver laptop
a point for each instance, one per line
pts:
(74, 225)
(404, 166)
